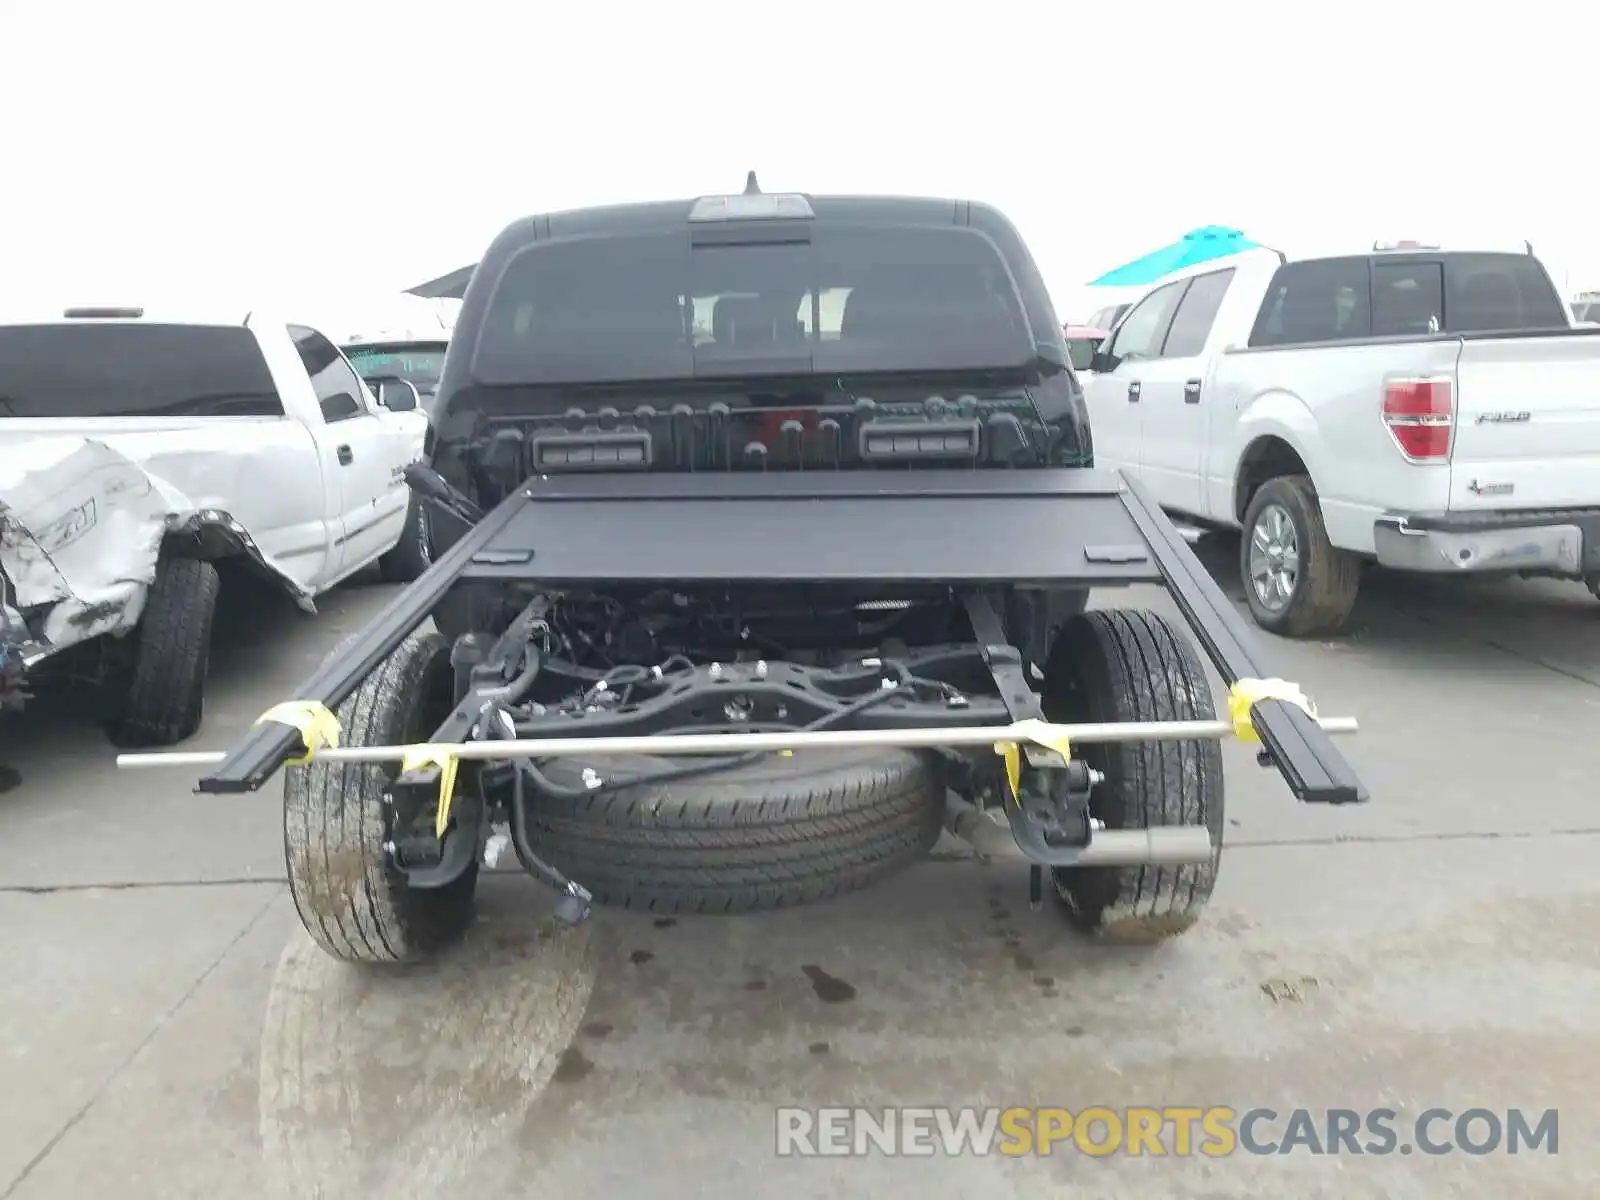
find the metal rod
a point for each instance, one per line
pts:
(723, 743)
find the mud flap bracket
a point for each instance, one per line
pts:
(1049, 808)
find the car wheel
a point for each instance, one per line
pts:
(159, 699)
(1295, 581)
(1122, 665)
(351, 898)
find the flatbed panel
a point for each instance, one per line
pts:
(1068, 527)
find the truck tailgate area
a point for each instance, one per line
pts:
(1527, 424)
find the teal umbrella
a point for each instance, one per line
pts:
(1197, 246)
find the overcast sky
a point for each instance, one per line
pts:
(296, 150)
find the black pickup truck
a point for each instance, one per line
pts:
(763, 529)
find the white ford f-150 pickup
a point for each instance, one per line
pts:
(1424, 410)
(138, 449)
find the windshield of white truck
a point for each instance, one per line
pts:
(1406, 295)
(96, 370)
(418, 364)
(654, 306)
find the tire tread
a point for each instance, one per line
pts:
(352, 902)
(1132, 665)
(818, 825)
(164, 701)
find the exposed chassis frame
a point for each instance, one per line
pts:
(762, 696)
(978, 684)
(499, 549)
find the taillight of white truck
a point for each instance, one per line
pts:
(1420, 414)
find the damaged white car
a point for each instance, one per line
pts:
(140, 450)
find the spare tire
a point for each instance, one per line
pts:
(778, 832)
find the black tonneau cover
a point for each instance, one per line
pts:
(927, 526)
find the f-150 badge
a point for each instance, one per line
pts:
(1504, 418)
(1491, 489)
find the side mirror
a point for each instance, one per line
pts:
(398, 395)
(1102, 360)
(1080, 352)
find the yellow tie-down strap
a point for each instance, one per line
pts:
(319, 728)
(1041, 733)
(1244, 695)
(418, 757)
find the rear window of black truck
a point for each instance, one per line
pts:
(835, 299)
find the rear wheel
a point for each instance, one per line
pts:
(351, 899)
(1128, 665)
(1295, 581)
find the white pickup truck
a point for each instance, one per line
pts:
(404, 340)
(1424, 410)
(140, 449)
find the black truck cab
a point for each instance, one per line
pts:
(755, 333)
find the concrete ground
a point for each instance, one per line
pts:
(167, 1030)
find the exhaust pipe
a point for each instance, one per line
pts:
(1165, 844)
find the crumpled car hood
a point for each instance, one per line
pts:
(81, 527)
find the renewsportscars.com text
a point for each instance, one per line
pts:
(1214, 1132)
